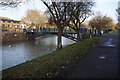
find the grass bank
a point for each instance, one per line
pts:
(51, 64)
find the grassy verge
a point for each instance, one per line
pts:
(118, 30)
(51, 64)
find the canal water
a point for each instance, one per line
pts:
(14, 53)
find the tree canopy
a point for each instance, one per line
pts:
(35, 17)
(118, 11)
(68, 13)
(77, 13)
(101, 22)
(117, 26)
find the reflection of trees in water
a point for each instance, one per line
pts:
(46, 40)
(51, 41)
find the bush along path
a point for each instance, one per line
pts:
(52, 64)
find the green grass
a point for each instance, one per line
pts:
(51, 64)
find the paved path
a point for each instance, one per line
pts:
(100, 62)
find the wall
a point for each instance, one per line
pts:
(8, 37)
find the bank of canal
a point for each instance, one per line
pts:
(52, 64)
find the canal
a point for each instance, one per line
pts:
(14, 53)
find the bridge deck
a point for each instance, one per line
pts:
(69, 35)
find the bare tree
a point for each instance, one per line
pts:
(117, 26)
(101, 22)
(118, 11)
(12, 3)
(77, 13)
(57, 12)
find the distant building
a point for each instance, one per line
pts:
(11, 25)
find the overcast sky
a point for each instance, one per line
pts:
(107, 7)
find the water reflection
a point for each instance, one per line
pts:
(20, 52)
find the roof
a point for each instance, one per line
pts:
(9, 21)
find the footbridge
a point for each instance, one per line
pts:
(67, 34)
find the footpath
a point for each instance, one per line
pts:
(100, 62)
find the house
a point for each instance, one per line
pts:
(10, 25)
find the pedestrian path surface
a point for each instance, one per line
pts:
(100, 62)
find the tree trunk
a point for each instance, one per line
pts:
(79, 36)
(95, 31)
(59, 40)
(99, 32)
(91, 32)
